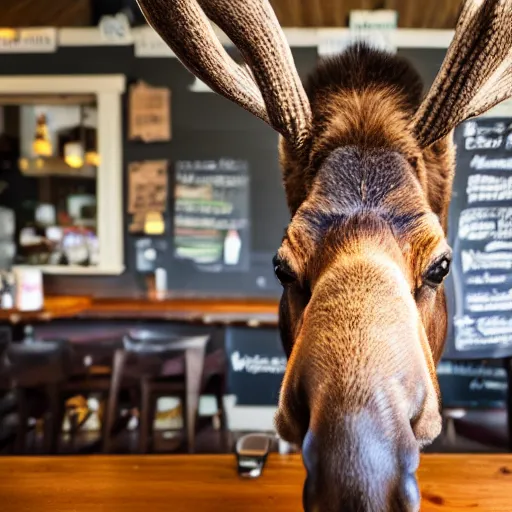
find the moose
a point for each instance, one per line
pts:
(368, 163)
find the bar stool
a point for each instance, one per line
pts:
(143, 361)
(213, 381)
(36, 371)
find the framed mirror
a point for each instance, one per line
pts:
(61, 172)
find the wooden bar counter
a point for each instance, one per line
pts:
(248, 311)
(449, 483)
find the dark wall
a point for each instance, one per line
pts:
(204, 125)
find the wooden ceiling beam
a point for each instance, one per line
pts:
(436, 14)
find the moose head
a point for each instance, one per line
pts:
(368, 165)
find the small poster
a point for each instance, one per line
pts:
(211, 217)
(147, 190)
(481, 231)
(149, 113)
(28, 40)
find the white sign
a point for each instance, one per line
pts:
(28, 40)
(376, 28)
(149, 44)
(382, 20)
(257, 364)
(116, 29)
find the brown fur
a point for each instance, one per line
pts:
(368, 169)
(369, 217)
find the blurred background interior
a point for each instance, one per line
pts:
(139, 214)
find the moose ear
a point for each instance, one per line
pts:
(476, 73)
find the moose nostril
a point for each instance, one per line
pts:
(410, 493)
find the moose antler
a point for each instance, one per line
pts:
(271, 90)
(476, 73)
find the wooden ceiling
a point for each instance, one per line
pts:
(44, 13)
(291, 13)
(334, 13)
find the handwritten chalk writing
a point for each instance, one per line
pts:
(481, 142)
(481, 163)
(482, 302)
(223, 164)
(486, 279)
(203, 208)
(485, 223)
(472, 128)
(183, 221)
(491, 330)
(480, 384)
(481, 187)
(477, 260)
(497, 246)
(216, 180)
(257, 364)
(470, 370)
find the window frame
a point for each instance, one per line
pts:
(108, 90)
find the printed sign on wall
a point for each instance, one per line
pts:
(150, 113)
(28, 40)
(147, 191)
(481, 236)
(256, 366)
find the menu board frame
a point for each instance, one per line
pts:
(479, 289)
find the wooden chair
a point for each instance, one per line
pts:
(159, 366)
(36, 371)
(90, 372)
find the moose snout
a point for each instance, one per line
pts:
(358, 468)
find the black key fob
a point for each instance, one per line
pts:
(251, 453)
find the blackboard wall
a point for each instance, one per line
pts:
(204, 125)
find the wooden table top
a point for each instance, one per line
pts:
(449, 483)
(206, 311)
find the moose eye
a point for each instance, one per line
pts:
(283, 272)
(438, 271)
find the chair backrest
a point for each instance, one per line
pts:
(87, 354)
(5, 341)
(37, 363)
(151, 355)
(152, 343)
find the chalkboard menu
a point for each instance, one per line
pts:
(481, 237)
(211, 214)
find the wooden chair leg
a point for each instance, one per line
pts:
(21, 431)
(113, 395)
(53, 419)
(222, 415)
(152, 416)
(183, 400)
(145, 417)
(194, 365)
(73, 431)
